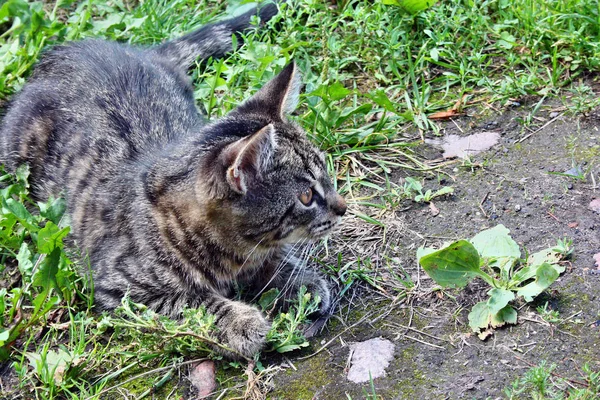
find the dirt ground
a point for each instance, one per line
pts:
(435, 355)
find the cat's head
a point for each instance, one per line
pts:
(270, 183)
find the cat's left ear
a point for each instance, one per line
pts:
(277, 97)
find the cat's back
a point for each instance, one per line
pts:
(95, 103)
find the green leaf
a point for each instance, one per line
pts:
(382, 100)
(545, 275)
(479, 317)
(337, 91)
(50, 237)
(291, 347)
(499, 298)
(46, 274)
(454, 265)
(508, 315)
(443, 191)
(494, 312)
(497, 249)
(268, 298)
(21, 213)
(411, 6)
(4, 336)
(24, 260)
(53, 210)
(496, 242)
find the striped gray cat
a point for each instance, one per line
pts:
(172, 209)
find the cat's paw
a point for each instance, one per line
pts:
(243, 330)
(318, 286)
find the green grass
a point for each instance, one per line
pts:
(373, 75)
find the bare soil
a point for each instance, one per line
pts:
(436, 356)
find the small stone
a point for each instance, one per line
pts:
(553, 114)
(517, 207)
(595, 205)
(370, 359)
(203, 378)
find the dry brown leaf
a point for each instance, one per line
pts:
(444, 114)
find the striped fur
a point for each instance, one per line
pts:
(169, 208)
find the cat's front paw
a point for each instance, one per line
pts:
(318, 286)
(244, 330)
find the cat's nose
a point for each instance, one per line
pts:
(338, 205)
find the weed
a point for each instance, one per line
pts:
(493, 256)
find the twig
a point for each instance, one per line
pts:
(481, 204)
(539, 129)
(424, 342)
(553, 216)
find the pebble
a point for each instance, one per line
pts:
(517, 207)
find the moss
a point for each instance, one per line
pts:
(312, 375)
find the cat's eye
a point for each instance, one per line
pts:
(306, 196)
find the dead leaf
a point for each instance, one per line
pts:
(434, 210)
(485, 334)
(444, 114)
(203, 378)
(573, 224)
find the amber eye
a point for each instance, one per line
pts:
(306, 197)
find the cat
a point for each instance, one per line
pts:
(171, 209)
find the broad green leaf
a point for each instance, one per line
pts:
(24, 260)
(508, 315)
(497, 249)
(382, 100)
(549, 256)
(499, 298)
(337, 91)
(545, 275)
(21, 213)
(479, 317)
(496, 242)
(454, 265)
(46, 274)
(50, 237)
(53, 210)
(494, 312)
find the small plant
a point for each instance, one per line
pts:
(413, 187)
(494, 256)
(286, 332)
(548, 314)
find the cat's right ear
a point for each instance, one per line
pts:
(248, 158)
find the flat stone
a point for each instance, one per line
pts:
(370, 359)
(595, 205)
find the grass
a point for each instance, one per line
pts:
(374, 76)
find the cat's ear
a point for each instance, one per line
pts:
(249, 158)
(277, 97)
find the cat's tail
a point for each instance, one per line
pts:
(213, 40)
